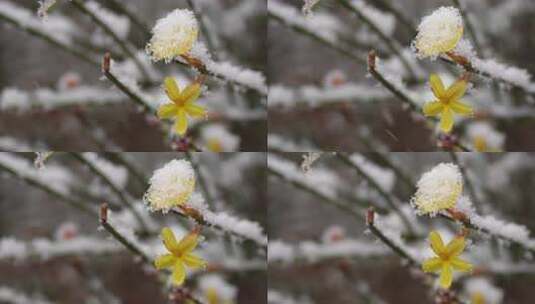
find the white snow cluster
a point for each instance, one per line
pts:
(13, 296)
(228, 71)
(438, 189)
(16, 99)
(438, 32)
(320, 179)
(53, 176)
(313, 96)
(173, 35)
(171, 185)
(55, 26)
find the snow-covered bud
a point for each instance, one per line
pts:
(173, 35)
(170, 186)
(438, 189)
(439, 32)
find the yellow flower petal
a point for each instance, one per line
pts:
(167, 110)
(432, 265)
(188, 243)
(179, 273)
(455, 247)
(436, 242)
(181, 124)
(191, 93)
(169, 240)
(437, 86)
(446, 277)
(446, 120)
(461, 108)
(461, 265)
(456, 90)
(171, 88)
(195, 110)
(165, 261)
(193, 261)
(433, 108)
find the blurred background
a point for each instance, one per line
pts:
(70, 122)
(321, 254)
(72, 260)
(318, 116)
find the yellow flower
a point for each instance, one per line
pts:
(439, 32)
(447, 258)
(447, 102)
(179, 255)
(182, 104)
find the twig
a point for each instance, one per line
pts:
(131, 247)
(346, 160)
(133, 96)
(79, 4)
(125, 162)
(126, 203)
(51, 40)
(210, 38)
(467, 179)
(465, 221)
(372, 69)
(469, 24)
(342, 205)
(319, 39)
(200, 177)
(122, 8)
(397, 14)
(195, 215)
(387, 40)
(370, 223)
(35, 183)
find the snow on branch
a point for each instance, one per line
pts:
(489, 224)
(310, 251)
(313, 96)
(16, 99)
(229, 72)
(11, 248)
(224, 221)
